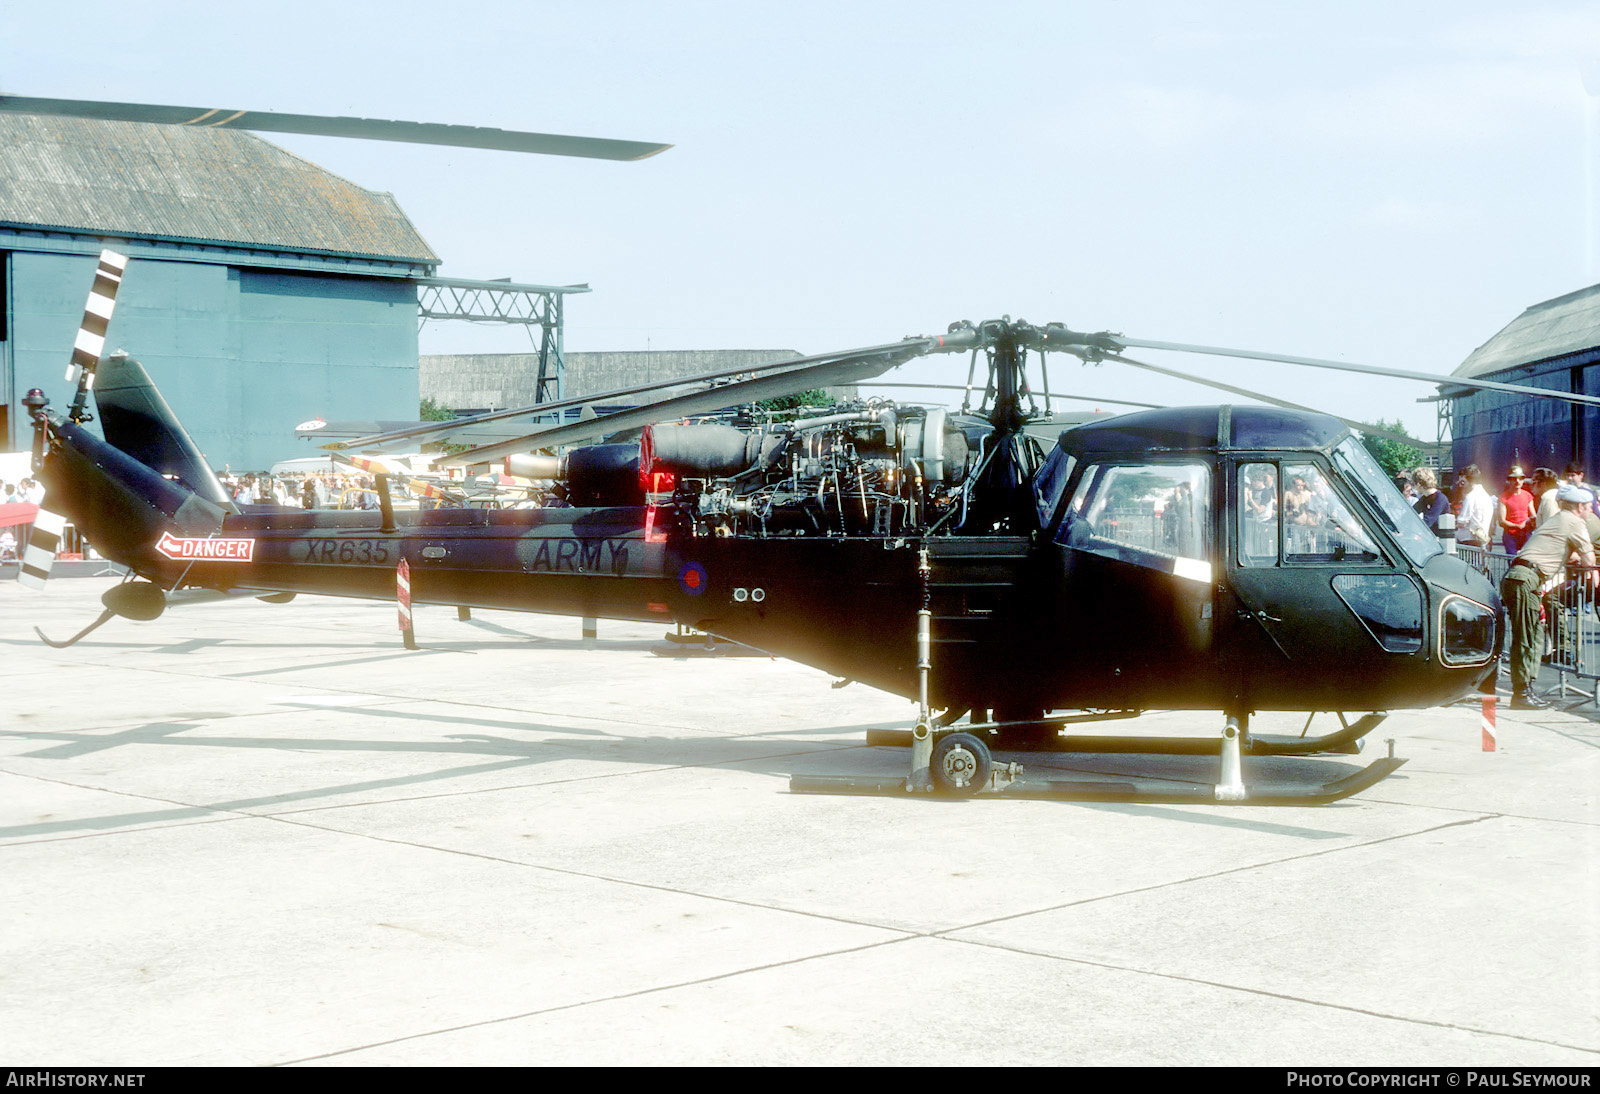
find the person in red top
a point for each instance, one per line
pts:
(1516, 512)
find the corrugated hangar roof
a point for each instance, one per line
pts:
(190, 183)
(503, 380)
(1566, 324)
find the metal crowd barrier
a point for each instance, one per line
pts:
(73, 545)
(1571, 622)
(1487, 561)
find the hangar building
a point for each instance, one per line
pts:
(253, 273)
(1556, 345)
(475, 382)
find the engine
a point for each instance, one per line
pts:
(861, 468)
(869, 468)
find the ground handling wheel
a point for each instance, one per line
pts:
(961, 764)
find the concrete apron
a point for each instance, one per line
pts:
(258, 834)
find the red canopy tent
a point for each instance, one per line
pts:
(19, 513)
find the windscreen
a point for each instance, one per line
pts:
(1363, 473)
(1150, 514)
(1049, 482)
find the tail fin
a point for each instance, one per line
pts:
(135, 418)
(120, 505)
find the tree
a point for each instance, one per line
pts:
(430, 411)
(786, 406)
(1393, 456)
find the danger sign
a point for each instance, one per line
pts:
(206, 550)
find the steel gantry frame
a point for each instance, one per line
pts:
(529, 306)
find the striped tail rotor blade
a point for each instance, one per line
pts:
(91, 340)
(421, 488)
(428, 490)
(43, 544)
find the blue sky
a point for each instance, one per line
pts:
(1386, 184)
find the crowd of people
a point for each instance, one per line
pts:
(296, 491)
(306, 491)
(1483, 520)
(1549, 523)
(25, 492)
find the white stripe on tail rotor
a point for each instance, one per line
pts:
(91, 340)
(43, 543)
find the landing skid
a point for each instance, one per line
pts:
(1046, 736)
(1146, 791)
(960, 765)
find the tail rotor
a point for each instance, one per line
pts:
(49, 526)
(43, 543)
(90, 344)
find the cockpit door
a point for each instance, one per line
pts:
(1136, 541)
(1313, 603)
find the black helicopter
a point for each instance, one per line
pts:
(1230, 558)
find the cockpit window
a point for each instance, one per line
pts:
(1259, 515)
(1297, 507)
(1319, 526)
(1085, 490)
(1155, 515)
(1363, 472)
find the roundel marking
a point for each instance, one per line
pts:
(692, 578)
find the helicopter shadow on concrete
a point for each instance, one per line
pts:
(661, 752)
(780, 760)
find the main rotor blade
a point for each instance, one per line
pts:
(372, 129)
(1248, 394)
(1369, 370)
(430, 429)
(466, 434)
(1036, 394)
(859, 366)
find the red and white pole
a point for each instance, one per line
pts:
(402, 588)
(1488, 722)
